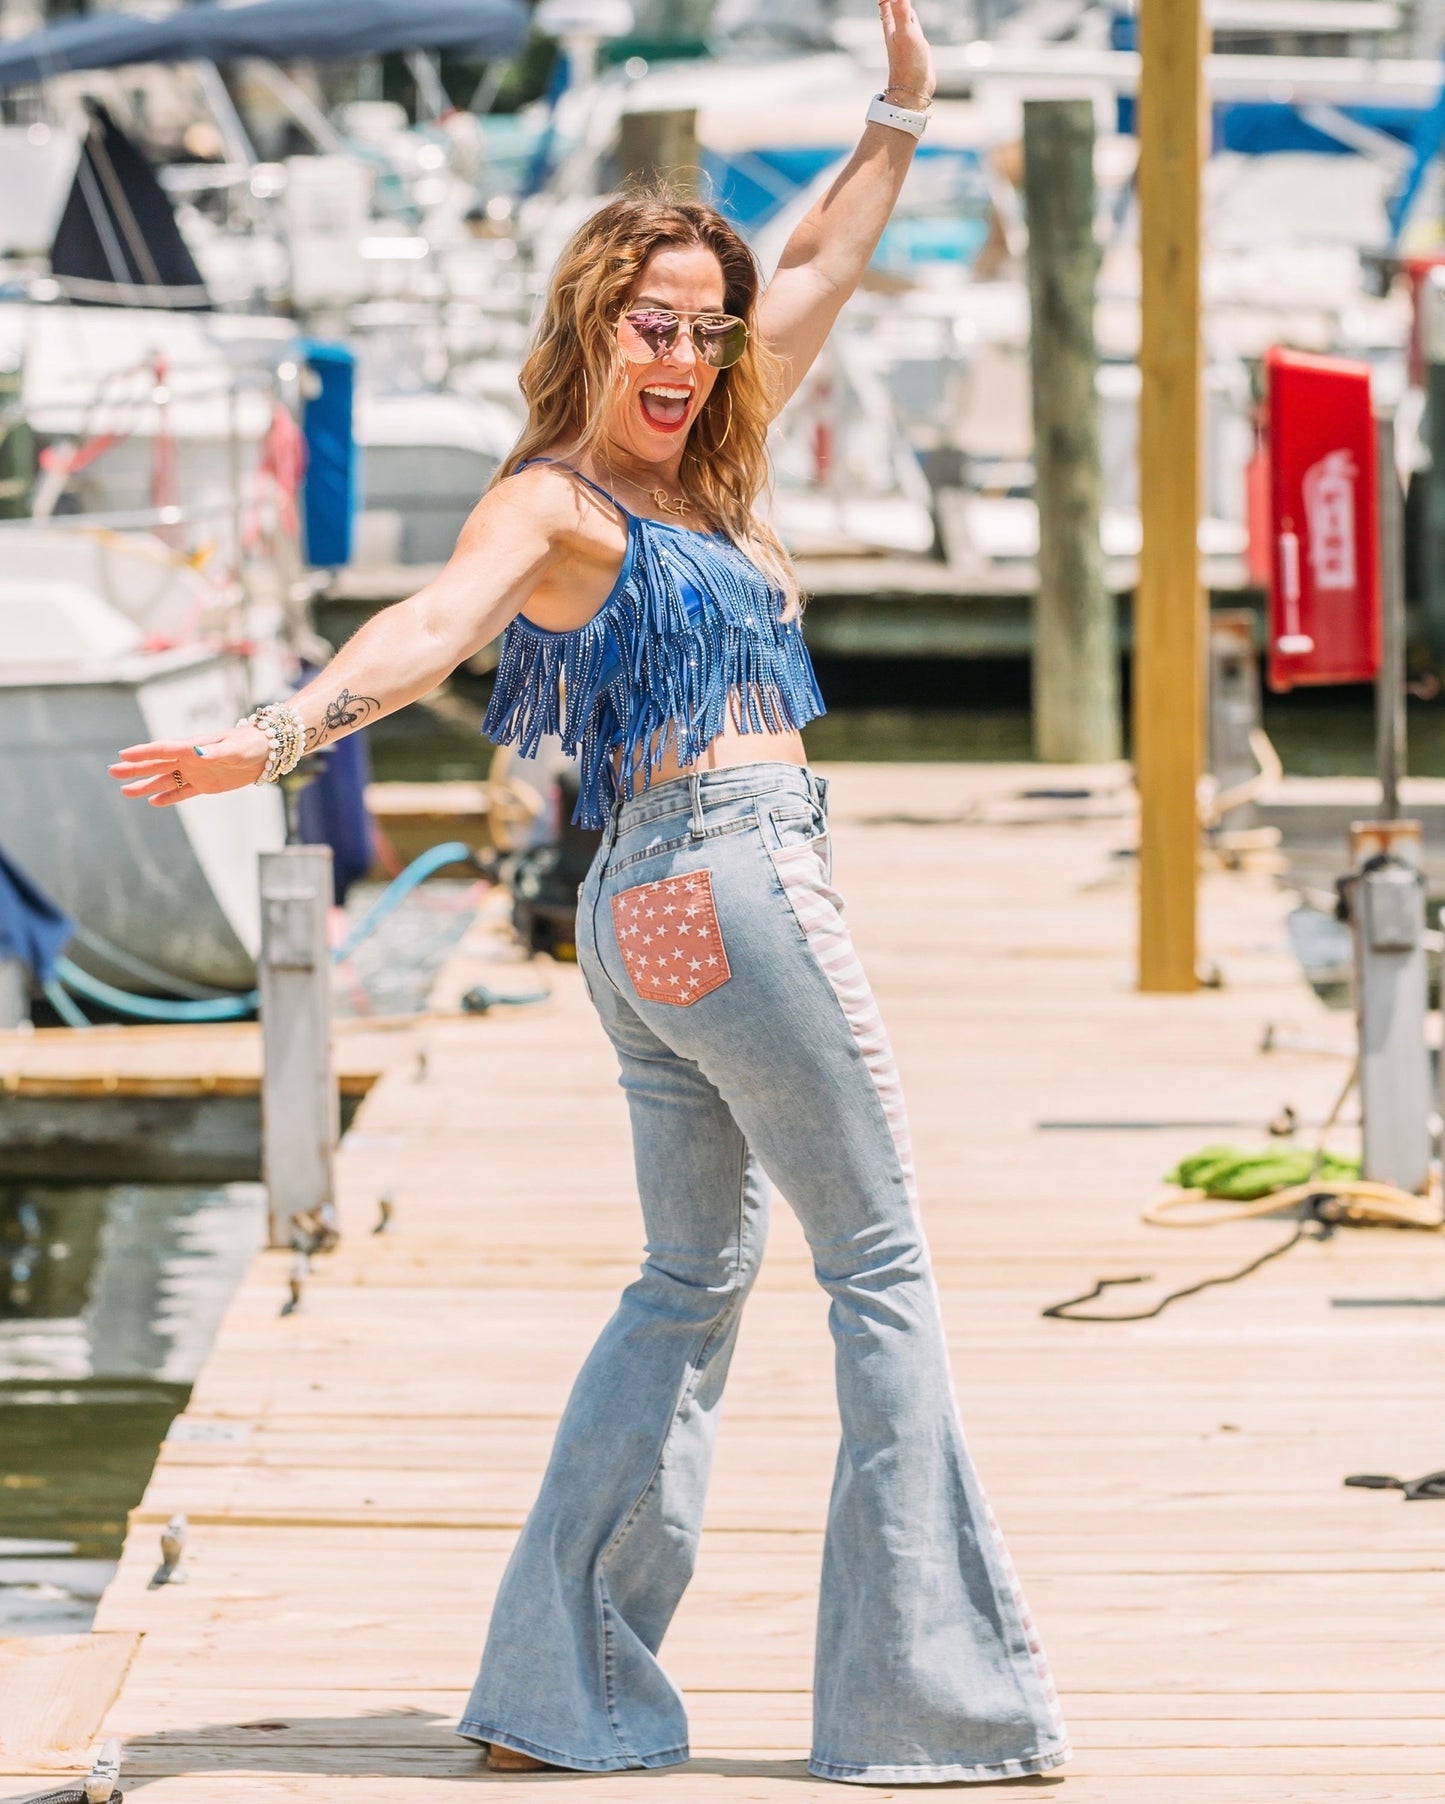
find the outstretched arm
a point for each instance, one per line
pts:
(828, 253)
(400, 654)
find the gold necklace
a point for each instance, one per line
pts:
(658, 497)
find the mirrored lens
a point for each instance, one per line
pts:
(720, 340)
(644, 335)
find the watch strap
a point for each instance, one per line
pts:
(901, 118)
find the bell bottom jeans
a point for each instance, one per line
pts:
(712, 944)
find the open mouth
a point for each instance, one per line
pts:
(665, 405)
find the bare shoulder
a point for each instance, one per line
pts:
(560, 502)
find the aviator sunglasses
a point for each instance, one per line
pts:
(650, 332)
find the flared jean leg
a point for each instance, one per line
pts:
(570, 1670)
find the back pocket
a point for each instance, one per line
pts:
(669, 938)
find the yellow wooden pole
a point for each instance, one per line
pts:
(1169, 609)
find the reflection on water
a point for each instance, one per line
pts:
(109, 1300)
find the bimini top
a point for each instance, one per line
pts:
(692, 636)
(320, 30)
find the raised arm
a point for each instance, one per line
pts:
(826, 256)
(398, 656)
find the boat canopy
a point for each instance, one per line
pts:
(275, 30)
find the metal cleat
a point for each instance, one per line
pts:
(103, 1779)
(173, 1547)
(296, 1284)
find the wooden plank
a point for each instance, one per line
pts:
(56, 1691)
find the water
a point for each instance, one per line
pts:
(109, 1300)
(933, 710)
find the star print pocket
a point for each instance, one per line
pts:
(669, 938)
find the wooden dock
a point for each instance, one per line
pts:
(157, 1104)
(1227, 1623)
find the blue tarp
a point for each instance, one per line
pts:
(32, 928)
(332, 482)
(278, 30)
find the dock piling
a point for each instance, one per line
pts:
(300, 1110)
(14, 1001)
(1075, 656)
(1169, 609)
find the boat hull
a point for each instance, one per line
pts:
(175, 888)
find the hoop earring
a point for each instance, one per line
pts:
(728, 428)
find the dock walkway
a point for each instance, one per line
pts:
(1227, 1624)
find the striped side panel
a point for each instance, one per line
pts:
(819, 909)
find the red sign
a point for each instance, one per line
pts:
(1324, 590)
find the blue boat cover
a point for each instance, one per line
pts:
(276, 30)
(332, 481)
(32, 928)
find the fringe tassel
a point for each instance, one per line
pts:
(692, 639)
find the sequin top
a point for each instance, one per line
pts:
(692, 635)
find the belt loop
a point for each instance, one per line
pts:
(699, 822)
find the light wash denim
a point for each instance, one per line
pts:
(770, 1059)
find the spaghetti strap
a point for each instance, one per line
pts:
(572, 470)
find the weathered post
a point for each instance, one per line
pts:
(300, 1112)
(1075, 657)
(14, 991)
(659, 145)
(1235, 713)
(1390, 682)
(1169, 603)
(1432, 342)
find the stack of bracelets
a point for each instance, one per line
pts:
(285, 734)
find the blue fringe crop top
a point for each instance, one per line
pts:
(693, 634)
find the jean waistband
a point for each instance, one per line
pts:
(704, 788)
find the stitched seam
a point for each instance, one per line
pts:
(604, 1615)
(629, 1522)
(684, 839)
(596, 949)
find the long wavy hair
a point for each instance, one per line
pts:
(575, 365)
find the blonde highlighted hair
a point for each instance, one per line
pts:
(575, 365)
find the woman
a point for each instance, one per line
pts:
(651, 622)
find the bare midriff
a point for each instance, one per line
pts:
(733, 746)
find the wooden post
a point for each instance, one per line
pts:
(1390, 683)
(1169, 607)
(14, 992)
(300, 1109)
(660, 145)
(1075, 657)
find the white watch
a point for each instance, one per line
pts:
(901, 118)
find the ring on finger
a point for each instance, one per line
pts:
(179, 779)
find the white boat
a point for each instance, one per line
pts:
(172, 889)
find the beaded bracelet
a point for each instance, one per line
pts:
(285, 736)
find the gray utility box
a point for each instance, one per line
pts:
(1386, 900)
